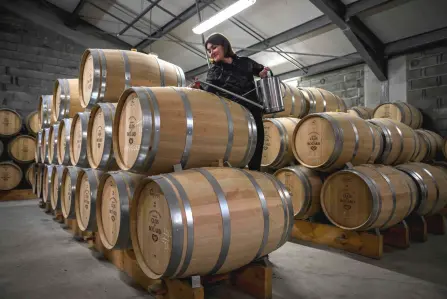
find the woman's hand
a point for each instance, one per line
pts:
(264, 72)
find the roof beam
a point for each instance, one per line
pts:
(364, 40)
(416, 42)
(73, 19)
(174, 23)
(137, 18)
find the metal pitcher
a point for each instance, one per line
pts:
(269, 93)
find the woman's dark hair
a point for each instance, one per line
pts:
(220, 40)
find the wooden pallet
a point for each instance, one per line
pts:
(22, 194)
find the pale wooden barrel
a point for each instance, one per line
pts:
(46, 185)
(78, 140)
(44, 111)
(400, 141)
(304, 186)
(29, 175)
(432, 186)
(105, 74)
(436, 144)
(99, 137)
(295, 103)
(401, 112)
(40, 171)
(22, 149)
(115, 192)
(56, 180)
(37, 157)
(44, 149)
(11, 122)
(321, 100)
(53, 140)
(32, 123)
(66, 100)
(378, 144)
(429, 146)
(327, 141)
(368, 196)
(85, 200)
(278, 141)
(10, 175)
(68, 191)
(63, 143)
(183, 126)
(227, 218)
(362, 112)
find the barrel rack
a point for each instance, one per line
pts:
(254, 279)
(17, 194)
(414, 228)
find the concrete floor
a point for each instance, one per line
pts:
(38, 259)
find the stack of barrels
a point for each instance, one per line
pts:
(17, 149)
(361, 168)
(108, 149)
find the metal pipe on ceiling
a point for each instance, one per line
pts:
(142, 14)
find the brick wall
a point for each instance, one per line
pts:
(347, 83)
(427, 86)
(31, 58)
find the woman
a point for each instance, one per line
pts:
(235, 74)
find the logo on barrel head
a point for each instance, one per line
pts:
(313, 141)
(154, 237)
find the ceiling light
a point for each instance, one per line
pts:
(223, 15)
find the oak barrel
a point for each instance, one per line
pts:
(304, 186)
(362, 112)
(63, 143)
(99, 137)
(78, 140)
(68, 191)
(278, 141)
(401, 112)
(400, 141)
(432, 186)
(32, 123)
(327, 141)
(10, 175)
(45, 146)
(37, 158)
(295, 102)
(378, 145)
(105, 74)
(40, 171)
(321, 100)
(115, 192)
(85, 200)
(66, 100)
(53, 143)
(44, 111)
(47, 186)
(368, 196)
(217, 220)
(181, 125)
(56, 181)
(430, 143)
(22, 149)
(29, 175)
(11, 122)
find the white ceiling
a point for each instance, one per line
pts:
(266, 18)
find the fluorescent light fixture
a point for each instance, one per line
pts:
(223, 15)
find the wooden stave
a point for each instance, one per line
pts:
(362, 112)
(64, 125)
(314, 102)
(53, 140)
(29, 174)
(83, 160)
(280, 191)
(126, 183)
(145, 165)
(439, 142)
(72, 173)
(431, 142)
(44, 110)
(44, 149)
(108, 162)
(312, 194)
(17, 167)
(304, 104)
(374, 187)
(28, 121)
(38, 147)
(387, 126)
(378, 144)
(285, 155)
(93, 176)
(69, 101)
(40, 180)
(100, 81)
(435, 176)
(46, 181)
(56, 187)
(12, 155)
(19, 118)
(333, 163)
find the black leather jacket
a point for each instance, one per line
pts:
(236, 77)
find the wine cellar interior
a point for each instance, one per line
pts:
(248, 149)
